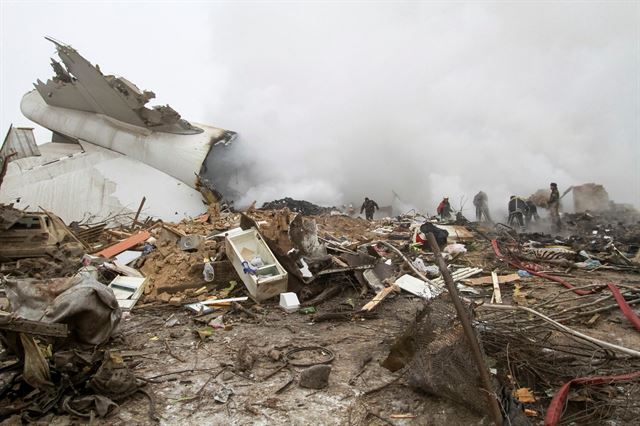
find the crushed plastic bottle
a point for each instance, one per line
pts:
(208, 272)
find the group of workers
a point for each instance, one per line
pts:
(521, 212)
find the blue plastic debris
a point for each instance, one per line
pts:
(248, 269)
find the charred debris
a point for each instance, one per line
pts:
(236, 316)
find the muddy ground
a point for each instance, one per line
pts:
(188, 373)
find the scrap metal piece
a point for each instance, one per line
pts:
(104, 117)
(79, 85)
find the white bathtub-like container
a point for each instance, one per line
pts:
(270, 279)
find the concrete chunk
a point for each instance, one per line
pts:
(316, 377)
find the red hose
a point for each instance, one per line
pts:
(515, 264)
(556, 407)
(626, 309)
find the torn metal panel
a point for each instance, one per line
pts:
(77, 182)
(20, 142)
(80, 104)
(179, 156)
(79, 85)
(377, 276)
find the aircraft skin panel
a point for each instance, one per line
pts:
(180, 156)
(98, 182)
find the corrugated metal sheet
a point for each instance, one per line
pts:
(21, 141)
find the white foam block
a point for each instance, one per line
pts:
(289, 302)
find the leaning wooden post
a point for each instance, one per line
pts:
(492, 402)
(135, 219)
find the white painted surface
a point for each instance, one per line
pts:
(97, 182)
(289, 302)
(180, 156)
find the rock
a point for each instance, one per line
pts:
(176, 300)
(316, 377)
(245, 358)
(275, 354)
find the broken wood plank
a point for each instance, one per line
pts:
(118, 234)
(337, 270)
(339, 262)
(502, 279)
(173, 230)
(125, 244)
(382, 294)
(496, 287)
(38, 328)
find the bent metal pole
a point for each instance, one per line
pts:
(492, 402)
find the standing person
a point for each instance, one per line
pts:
(481, 201)
(444, 209)
(554, 207)
(368, 207)
(531, 214)
(517, 211)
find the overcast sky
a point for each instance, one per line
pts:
(335, 101)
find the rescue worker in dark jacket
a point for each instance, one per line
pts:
(444, 209)
(368, 207)
(517, 211)
(531, 214)
(554, 207)
(481, 201)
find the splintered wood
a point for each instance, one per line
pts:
(382, 294)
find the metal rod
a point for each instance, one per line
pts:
(492, 402)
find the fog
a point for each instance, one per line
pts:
(334, 102)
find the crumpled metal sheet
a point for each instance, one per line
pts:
(36, 369)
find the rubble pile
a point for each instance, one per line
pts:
(541, 313)
(299, 206)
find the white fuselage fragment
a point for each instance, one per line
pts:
(88, 181)
(180, 156)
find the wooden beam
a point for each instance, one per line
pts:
(496, 287)
(125, 244)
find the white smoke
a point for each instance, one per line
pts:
(334, 102)
(432, 100)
